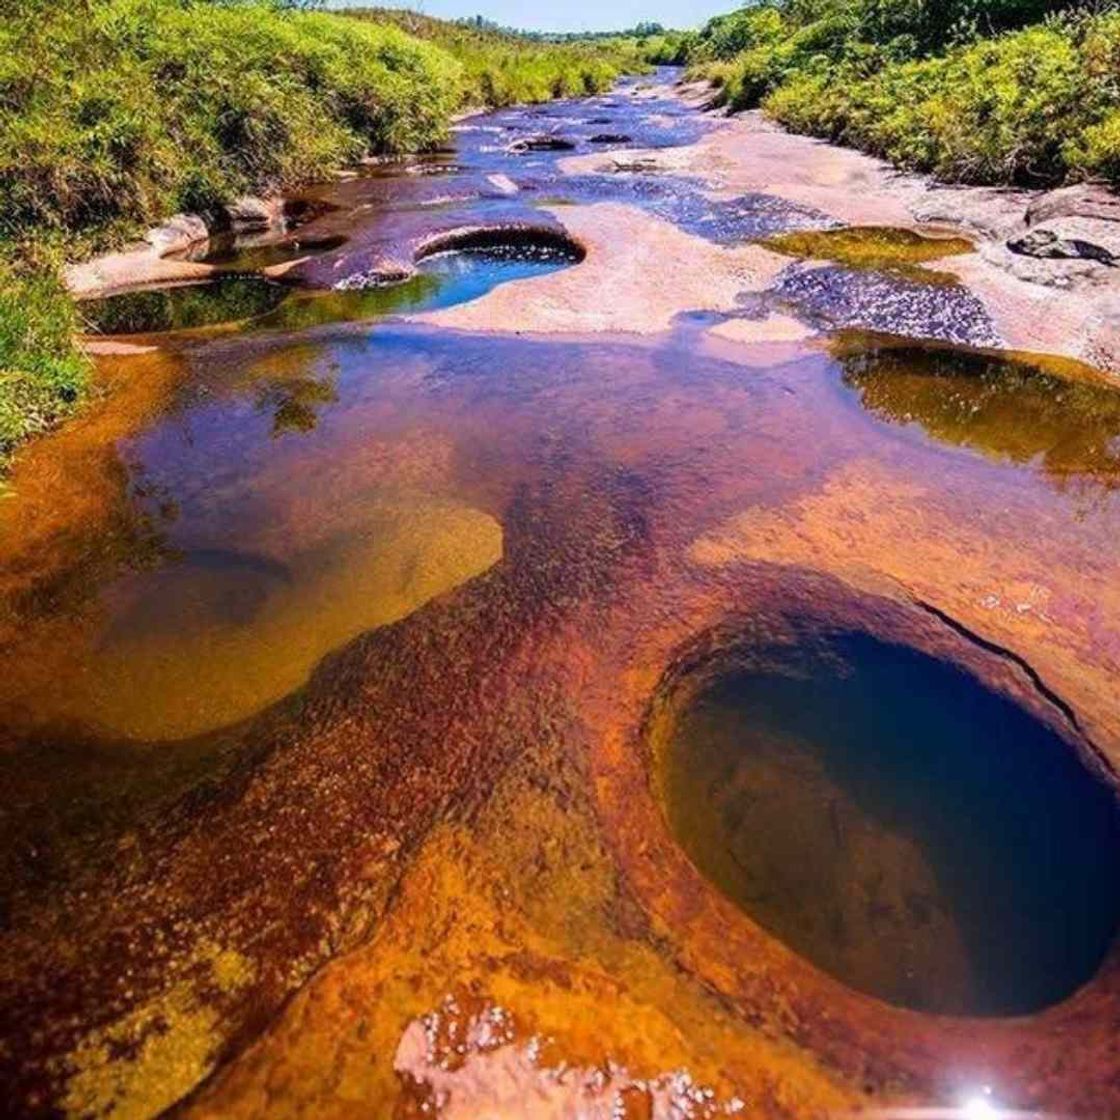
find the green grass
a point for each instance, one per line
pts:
(43, 376)
(502, 68)
(115, 114)
(120, 112)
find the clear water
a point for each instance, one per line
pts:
(1063, 423)
(441, 280)
(289, 596)
(902, 826)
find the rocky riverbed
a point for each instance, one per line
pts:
(342, 642)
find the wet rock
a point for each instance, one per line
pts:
(610, 138)
(381, 275)
(468, 1056)
(178, 234)
(1049, 243)
(1061, 271)
(1064, 238)
(249, 214)
(544, 143)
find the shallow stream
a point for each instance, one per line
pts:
(315, 581)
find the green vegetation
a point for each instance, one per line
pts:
(120, 112)
(501, 67)
(42, 375)
(1005, 91)
(115, 114)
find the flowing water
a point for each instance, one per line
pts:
(313, 578)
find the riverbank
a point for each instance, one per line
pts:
(1045, 266)
(89, 157)
(1018, 92)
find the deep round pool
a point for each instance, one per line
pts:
(915, 834)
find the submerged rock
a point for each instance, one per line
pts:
(503, 185)
(930, 307)
(545, 143)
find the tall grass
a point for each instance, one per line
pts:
(502, 68)
(959, 88)
(42, 375)
(119, 112)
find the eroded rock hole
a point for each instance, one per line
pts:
(907, 829)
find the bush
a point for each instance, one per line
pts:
(124, 112)
(42, 375)
(500, 68)
(671, 48)
(725, 37)
(918, 83)
(999, 111)
(1096, 152)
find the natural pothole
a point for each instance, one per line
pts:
(869, 246)
(500, 243)
(1057, 418)
(893, 819)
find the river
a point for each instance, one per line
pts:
(520, 619)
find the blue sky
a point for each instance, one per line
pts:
(569, 15)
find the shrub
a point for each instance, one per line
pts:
(130, 109)
(725, 37)
(920, 84)
(1001, 110)
(501, 68)
(1096, 152)
(42, 375)
(672, 48)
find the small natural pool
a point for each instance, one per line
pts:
(442, 279)
(869, 246)
(465, 273)
(913, 833)
(1065, 422)
(251, 253)
(228, 299)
